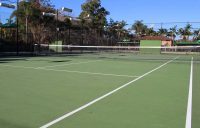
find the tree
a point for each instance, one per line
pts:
(93, 11)
(96, 13)
(185, 32)
(117, 29)
(111, 28)
(182, 33)
(139, 27)
(30, 14)
(162, 32)
(173, 32)
(150, 32)
(188, 28)
(120, 29)
(196, 34)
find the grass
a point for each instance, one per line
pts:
(31, 97)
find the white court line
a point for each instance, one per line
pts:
(189, 106)
(102, 97)
(90, 73)
(13, 66)
(68, 64)
(70, 71)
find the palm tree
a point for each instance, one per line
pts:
(120, 29)
(188, 30)
(173, 32)
(196, 34)
(116, 29)
(162, 32)
(26, 14)
(139, 27)
(185, 32)
(182, 33)
(151, 32)
(30, 16)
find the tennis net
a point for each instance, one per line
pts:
(121, 52)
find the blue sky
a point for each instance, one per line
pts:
(130, 10)
(150, 11)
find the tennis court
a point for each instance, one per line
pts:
(100, 91)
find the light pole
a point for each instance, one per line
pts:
(11, 6)
(7, 5)
(26, 18)
(70, 32)
(106, 34)
(57, 30)
(17, 28)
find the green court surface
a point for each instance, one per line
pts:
(123, 91)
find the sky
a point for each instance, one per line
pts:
(150, 11)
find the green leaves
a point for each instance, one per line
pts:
(162, 31)
(117, 29)
(96, 12)
(185, 32)
(139, 27)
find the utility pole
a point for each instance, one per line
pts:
(161, 24)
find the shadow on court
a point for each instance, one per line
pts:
(7, 60)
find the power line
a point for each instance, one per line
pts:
(197, 22)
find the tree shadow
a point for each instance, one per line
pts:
(10, 59)
(60, 61)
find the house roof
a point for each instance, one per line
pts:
(162, 38)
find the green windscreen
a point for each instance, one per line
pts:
(145, 43)
(55, 47)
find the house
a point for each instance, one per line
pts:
(156, 41)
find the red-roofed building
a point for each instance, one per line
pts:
(159, 40)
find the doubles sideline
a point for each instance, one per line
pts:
(189, 106)
(102, 97)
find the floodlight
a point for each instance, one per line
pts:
(66, 9)
(7, 5)
(48, 14)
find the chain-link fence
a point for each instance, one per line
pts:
(30, 42)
